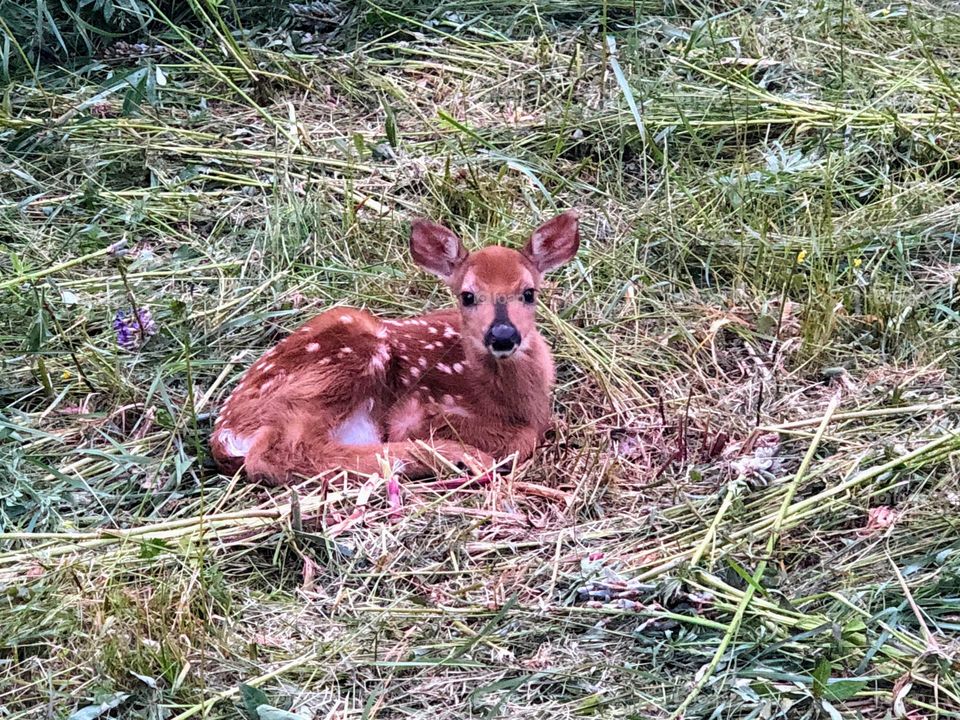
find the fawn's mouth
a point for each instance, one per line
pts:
(505, 353)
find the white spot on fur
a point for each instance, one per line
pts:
(346, 319)
(428, 346)
(415, 372)
(432, 330)
(358, 428)
(266, 367)
(449, 332)
(382, 333)
(313, 347)
(346, 350)
(422, 362)
(379, 360)
(306, 329)
(458, 367)
(443, 367)
(235, 445)
(405, 380)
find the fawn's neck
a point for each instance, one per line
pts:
(519, 387)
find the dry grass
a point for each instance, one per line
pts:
(747, 507)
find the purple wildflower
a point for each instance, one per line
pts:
(133, 330)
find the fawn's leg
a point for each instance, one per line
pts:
(410, 458)
(276, 459)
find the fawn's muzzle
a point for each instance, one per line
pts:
(502, 339)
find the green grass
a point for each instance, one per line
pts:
(747, 506)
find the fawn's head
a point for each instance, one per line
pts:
(496, 287)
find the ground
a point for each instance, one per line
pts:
(747, 505)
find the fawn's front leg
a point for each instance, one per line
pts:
(411, 459)
(278, 460)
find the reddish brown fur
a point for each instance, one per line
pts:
(348, 387)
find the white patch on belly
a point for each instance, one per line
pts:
(358, 428)
(235, 445)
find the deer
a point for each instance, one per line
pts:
(465, 387)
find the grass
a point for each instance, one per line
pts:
(747, 506)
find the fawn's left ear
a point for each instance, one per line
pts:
(435, 248)
(555, 242)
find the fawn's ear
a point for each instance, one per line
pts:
(435, 248)
(555, 242)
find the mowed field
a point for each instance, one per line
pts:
(747, 506)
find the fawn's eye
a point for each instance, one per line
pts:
(467, 298)
(528, 295)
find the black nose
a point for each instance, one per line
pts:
(502, 337)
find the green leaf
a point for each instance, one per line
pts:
(252, 699)
(135, 94)
(177, 308)
(821, 675)
(360, 145)
(746, 576)
(452, 121)
(590, 705)
(152, 548)
(844, 689)
(391, 124)
(150, 85)
(37, 334)
(628, 96)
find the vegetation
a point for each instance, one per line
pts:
(748, 505)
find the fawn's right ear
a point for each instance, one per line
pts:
(435, 248)
(555, 242)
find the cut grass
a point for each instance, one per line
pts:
(747, 505)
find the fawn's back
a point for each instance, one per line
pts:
(468, 384)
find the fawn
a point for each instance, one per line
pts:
(470, 384)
